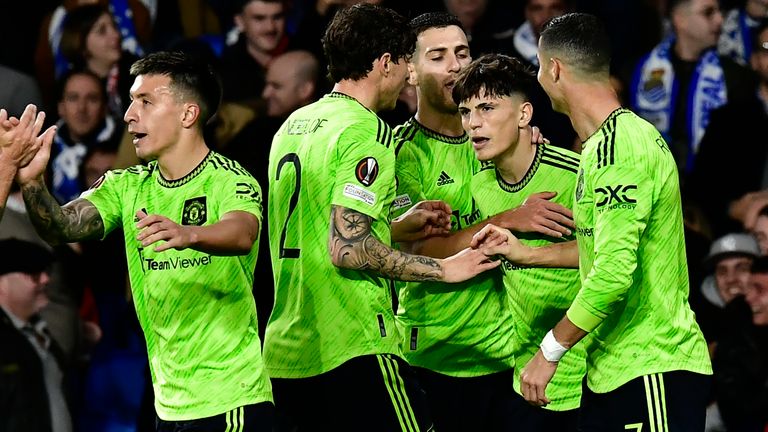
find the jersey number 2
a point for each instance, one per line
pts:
(293, 158)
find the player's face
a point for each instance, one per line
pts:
(544, 76)
(732, 276)
(757, 297)
(538, 12)
(263, 24)
(103, 41)
(25, 293)
(700, 21)
(759, 60)
(493, 124)
(440, 54)
(154, 117)
(82, 106)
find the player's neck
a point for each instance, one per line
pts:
(515, 162)
(444, 123)
(588, 113)
(362, 90)
(181, 159)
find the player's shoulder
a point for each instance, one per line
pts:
(133, 173)
(226, 167)
(625, 138)
(560, 158)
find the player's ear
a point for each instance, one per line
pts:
(526, 114)
(555, 69)
(190, 114)
(384, 63)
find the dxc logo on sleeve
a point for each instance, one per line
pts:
(619, 196)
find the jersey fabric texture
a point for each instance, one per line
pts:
(332, 152)
(539, 296)
(629, 226)
(461, 330)
(197, 310)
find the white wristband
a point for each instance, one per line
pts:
(551, 348)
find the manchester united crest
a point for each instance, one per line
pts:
(195, 211)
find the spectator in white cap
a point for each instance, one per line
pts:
(730, 259)
(728, 266)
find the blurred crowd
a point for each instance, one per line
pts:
(696, 69)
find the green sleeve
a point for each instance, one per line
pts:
(409, 185)
(623, 198)
(365, 174)
(242, 193)
(106, 196)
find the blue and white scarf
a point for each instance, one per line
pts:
(68, 162)
(654, 91)
(736, 38)
(526, 43)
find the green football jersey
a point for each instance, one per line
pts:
(634, 295)
(197, 310)
(464, 329)
(539, 296)
(332, 152)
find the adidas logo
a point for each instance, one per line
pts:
(444, 179)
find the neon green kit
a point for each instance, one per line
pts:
(465, 329)
(332, 152)
(196, 309)
(634, 295)
(539, 296)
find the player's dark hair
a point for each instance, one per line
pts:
(360, 34)
(190, 77)
(432, 20)
(494, 75)
(578, 39)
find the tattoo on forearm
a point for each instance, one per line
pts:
(76, 221)
(352, 245)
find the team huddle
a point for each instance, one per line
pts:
(536, 288)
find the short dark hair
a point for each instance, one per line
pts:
(580, 40)
(61, 84)
(494, 75)
(360, 34)
(432, 20)
(190, 76)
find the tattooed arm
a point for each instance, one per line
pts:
(352, 245)
(78, 220)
